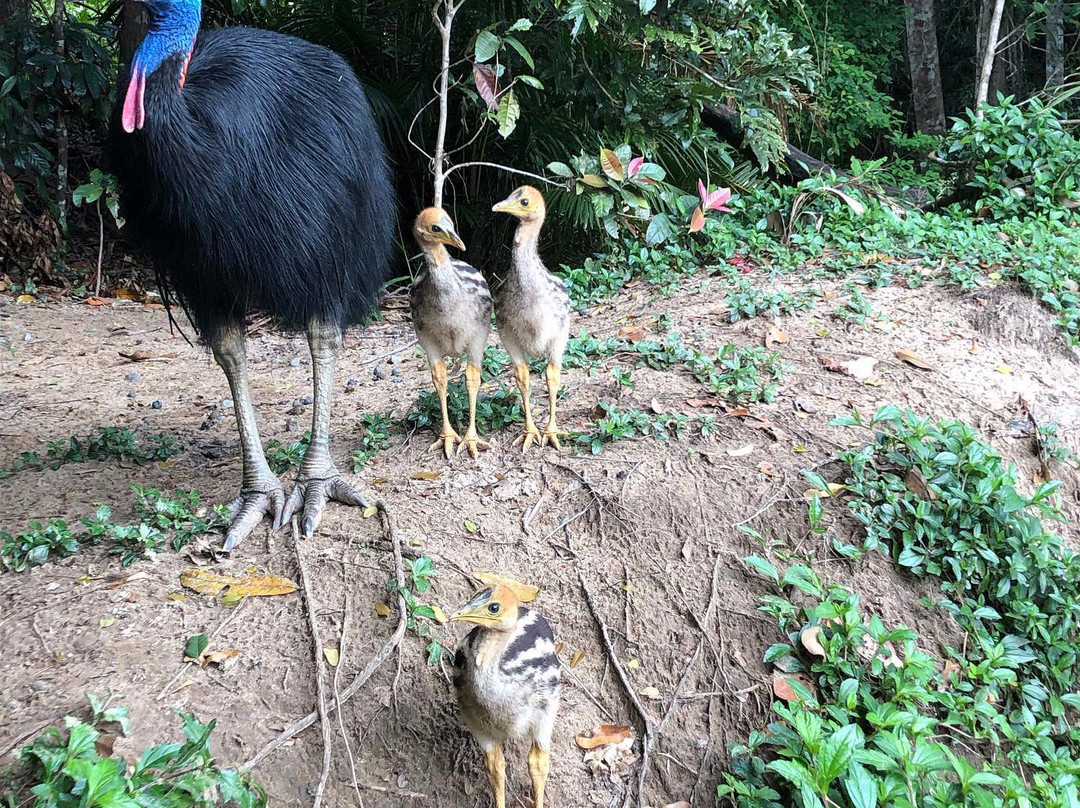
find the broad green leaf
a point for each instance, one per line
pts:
(508, 113)
(522, 52)
(660, 229)
(521, 24)
(487, 45)
(196, 645)
(860, 787)
(763, 568)
(560, 169)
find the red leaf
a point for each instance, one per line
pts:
(716, 200)
(487, 84)
(702, 192)
(698, 220)
(634, 165)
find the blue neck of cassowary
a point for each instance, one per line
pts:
(173, 26)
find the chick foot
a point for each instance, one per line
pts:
(309, 498)
(527, 438)
(551, 435)
(447, 440)
(473, 442)
(248, 510)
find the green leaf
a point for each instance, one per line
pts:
(860, 787)
(763, 568)
(522, 52)
(560, 169)
(532, 81)
(645, 6)
(508, 113)
(521, 24)
(805, 580)
(792, 771)
(196, 645)
(660, 229)
(836, 753)
(487, 45)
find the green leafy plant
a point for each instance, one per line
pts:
(421, 617)
(36, 545)
(741, 375)
(374, 438)
(494, 410)
(105, 443)
(68, 769)
(282, 458)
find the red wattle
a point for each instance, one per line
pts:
(134, 114)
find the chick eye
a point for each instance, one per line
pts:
(494, 608)
(524, 203)
(436, 229)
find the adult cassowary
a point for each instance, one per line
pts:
(251, 170)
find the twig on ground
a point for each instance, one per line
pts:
(373, 665)
(678, 687)
(783, 486)
(342, 645)
(320, 684)
(165, 690)
(645, 716)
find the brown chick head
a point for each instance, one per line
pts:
(526, 203)
(494, 608)
(434, 226)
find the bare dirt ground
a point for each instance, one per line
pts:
(650, 525)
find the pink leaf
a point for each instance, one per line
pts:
(634, 165)
(716, 200)
(487, 84)
(698, 220)
(702, 191)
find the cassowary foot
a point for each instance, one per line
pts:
(551, 435)
(309, 498)
(530, 436)
(446, 440)
(473, 442)
(248, 509)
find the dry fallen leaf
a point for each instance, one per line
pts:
(633, 664)
(811, 641)
(577, 658)
(784, 688)
(425, 475)
(176, 596)
(767, 468)
(526, 593)
(382, 609)
(370, 511)
(916, 484)
(223, 659)
(1004, 369)
(440, 615)
(603, 734)
(974, 349)
(912, 358)
(775, 336)
(632, 333)
(104, 744)
(683, 804)
(860, 368)
(650, 692)
(24, 299)
(834, 489)
(208, 582)
(952, 668)
(742, 451)
(333, 656)
(144, 356)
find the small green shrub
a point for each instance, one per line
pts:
(106, 442)
(36, 545)
(375, 438)
(282, 458)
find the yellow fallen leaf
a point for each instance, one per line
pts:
(24, 299)
(176, 596)
(974, 349)
(382, 609)
(912, 358)
(332, 656)
(440, 615)
(223, 659)
(471, 526)
(526, 593)
(633, 664)
(425, 475)
(106, 621)
(650, 692)
(775, 336)
(379, 481)
(799, 449)
(577, 658)
(834, 489)
(370, 511)
(874, 382)
(207, 582)
(1004, 369)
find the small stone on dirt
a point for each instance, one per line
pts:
(133, 394)
(227, 404)
(395, 372)
(41, 686)
(307, 400)
(379, 373)
(131, 377)
(292, 425)
(13, 704)
(156, 404)
(805, 405)
(295, 362)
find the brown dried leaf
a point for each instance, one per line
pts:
(487, 84)
(948, 675)
(912, 358)
(208, 582)
(811, 641)
(526, 593)
(604, 734)
(104, 744)
(382, 609)
(632, 333)
(145, 356)
(425, 475)
(612, 165)
(916, 484)
(223, 659)
(782, 686)
(577, 658)
(775, 336)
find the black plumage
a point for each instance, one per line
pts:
(261, 183)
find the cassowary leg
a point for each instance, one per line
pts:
(448, 435)
(260, 491)
(551, 431)
(531, 434)
(471, 439)
(319, 480)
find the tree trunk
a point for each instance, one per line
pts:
(989, 50)
(62, 192)
(924, 66)
(132, 30)
(9, 7)
(1055, 43)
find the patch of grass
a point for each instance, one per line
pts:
(741, 375)
(746, 301)
(375, 438)
(105, 443)
(282, 458)
(72, 768)
(619, 423)
(856, 307)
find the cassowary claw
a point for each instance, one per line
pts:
(309, 498)
(248, 510)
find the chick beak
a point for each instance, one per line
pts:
(506, 206)
(453, 239)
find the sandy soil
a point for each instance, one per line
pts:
(650, 525)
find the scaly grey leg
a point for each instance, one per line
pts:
(260, 490)
(319, 480)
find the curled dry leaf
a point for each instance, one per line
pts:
(208, 582)
(650, 692)
(632, 333)
(767, 468)
(948, 675)
(104, 744)
(834, 489)
(775, 336)
(912, 358)
(1004, 369)
(916, 484)
(382, 609)
(861, 367)
(811, 641)
(439, 615)
(526, 593)
(333, 656)
(223, 659)
(425, 475)
(604, 734)
(577, 658)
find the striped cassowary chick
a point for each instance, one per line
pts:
(532, 311)
(252, 173)
(451, 315)
(507, 682)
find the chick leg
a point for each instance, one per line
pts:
(471, 439)
(260, 490)
(539, 764)
(551, 432)
(319, 479)
(495, 764)
(531, 434)
(448, 436)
